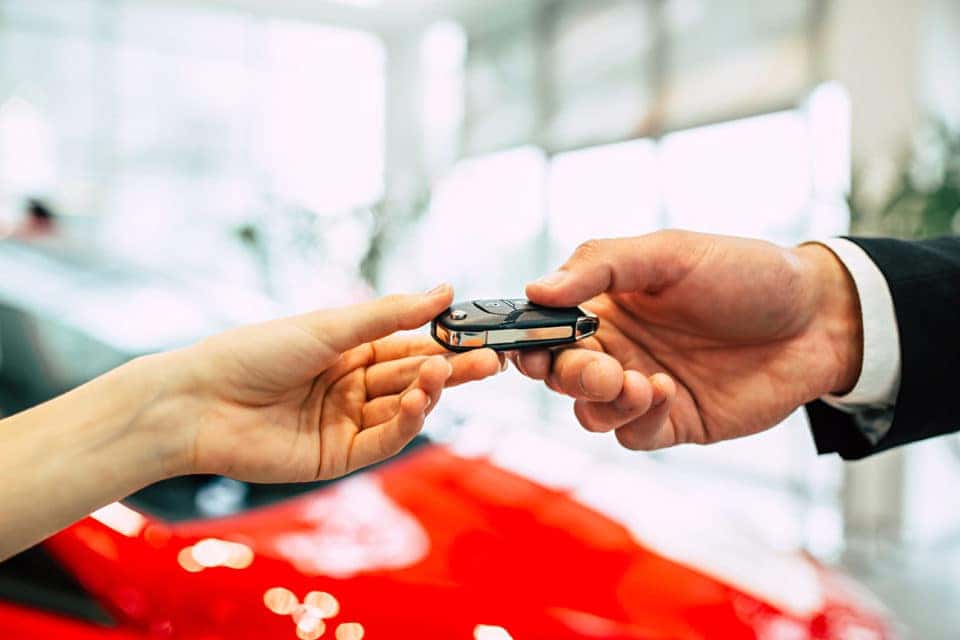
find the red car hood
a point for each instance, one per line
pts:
(437, 545)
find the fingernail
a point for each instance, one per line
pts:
(659, 394)
(552, 279)
(437, 290)
(429, 402)
(584, 373)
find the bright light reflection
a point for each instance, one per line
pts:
(309, 624)
(185, 558)
(356, 527)
(489, 632)
(120, 518)
(309, 616)
(280, 601)
(350, 631)
(211, 552)
(239, 556)
(325, 604)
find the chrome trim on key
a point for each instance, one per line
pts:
(506, 336)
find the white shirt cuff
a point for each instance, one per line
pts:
(879, 380)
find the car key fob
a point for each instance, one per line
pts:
(510, 324)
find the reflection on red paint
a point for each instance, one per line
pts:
(537, 563)
(354, 528)
(490, 632)
(186, 560)
(325, 604)
(309, 623)
(349, 631)
(280, 601)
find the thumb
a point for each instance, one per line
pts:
(643, 263)
(348, 327)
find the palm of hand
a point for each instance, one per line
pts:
(305, 412)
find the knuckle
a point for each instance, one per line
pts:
(671, 235)
(393, 299)
(589, 250)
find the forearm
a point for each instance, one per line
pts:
(96, 444)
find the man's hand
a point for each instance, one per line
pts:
(318, 395)
(702, 338)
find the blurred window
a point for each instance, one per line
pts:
(601, 71)
(484, 217)
(501, 91)
(324, 115)
(735, 57)
(443, 51)
(164, 118)
(583, 73)
(747, 177)
(603, 192)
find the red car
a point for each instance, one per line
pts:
(434, 544)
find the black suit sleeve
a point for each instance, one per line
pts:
(924, 281)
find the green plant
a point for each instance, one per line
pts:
(925, 200)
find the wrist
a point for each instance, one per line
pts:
(837, 313)
(159, 417)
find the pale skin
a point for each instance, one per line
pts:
(702, 338)
(303, 398)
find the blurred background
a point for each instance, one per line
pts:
(172, 168)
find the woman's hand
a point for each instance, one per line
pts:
(318, 395)
(314, 396)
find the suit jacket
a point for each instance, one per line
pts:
(924, 281)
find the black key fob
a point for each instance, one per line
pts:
(505, 325)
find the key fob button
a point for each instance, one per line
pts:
(496, 307)
(458, 314)
(520, 304)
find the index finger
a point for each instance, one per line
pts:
(646, 263)
(348, 327)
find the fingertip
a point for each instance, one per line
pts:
(415, 402)
(586, 414)
(533, 292)
(541, 293)
(489, 362)
(636, 394)
(441, 365)
(601, 379)
(664, 388)
(442, 290)
(534, 364)
(436, 300)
